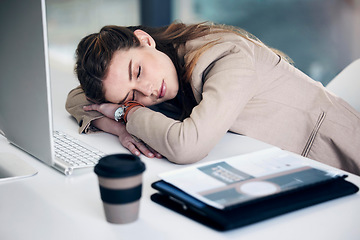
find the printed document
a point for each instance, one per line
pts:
(231, 181)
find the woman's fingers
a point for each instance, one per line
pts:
(92, 107)
(157, 155)
(135, 145)
(131, 147)
(137, 148)
(107, 109)
(142, 148)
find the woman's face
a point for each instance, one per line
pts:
(142, 74)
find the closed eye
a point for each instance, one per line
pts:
(139, 72)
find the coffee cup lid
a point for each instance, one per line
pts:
(119, 166)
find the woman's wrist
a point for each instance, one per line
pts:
(123, 110)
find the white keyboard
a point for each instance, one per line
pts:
(74, 153)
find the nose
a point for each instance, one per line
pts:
(144, 88)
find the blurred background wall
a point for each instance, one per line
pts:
(321, 36)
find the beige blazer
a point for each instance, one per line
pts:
(245, 88)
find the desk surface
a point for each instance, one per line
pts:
(53, 206)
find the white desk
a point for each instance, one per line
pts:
(52, 206)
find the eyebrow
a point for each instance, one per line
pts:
(130, 78)
(130, 72)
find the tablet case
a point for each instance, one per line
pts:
(249, 212)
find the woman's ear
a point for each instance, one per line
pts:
(144, 38)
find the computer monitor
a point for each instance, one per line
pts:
(25, 101)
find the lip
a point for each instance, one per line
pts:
(162, 90)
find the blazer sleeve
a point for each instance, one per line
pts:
(229, 82)
(75, 101)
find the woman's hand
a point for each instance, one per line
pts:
(134, 145)
(107, 109)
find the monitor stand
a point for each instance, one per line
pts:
(12, 167)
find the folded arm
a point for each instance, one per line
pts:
(89, 121)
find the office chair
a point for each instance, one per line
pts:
(347, 84)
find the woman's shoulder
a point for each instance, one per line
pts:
(204, 53)
(209, 48)
(217, 38)
(216, 43)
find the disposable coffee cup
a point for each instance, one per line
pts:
(120, 183)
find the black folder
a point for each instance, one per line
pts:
(253, 211)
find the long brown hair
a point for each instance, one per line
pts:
(95, 51)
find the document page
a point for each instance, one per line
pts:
(242, 178)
